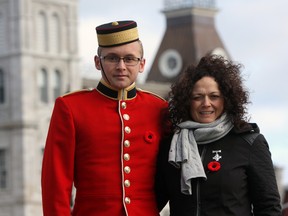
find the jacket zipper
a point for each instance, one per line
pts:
(198, 185)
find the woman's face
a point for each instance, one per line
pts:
(207, 102)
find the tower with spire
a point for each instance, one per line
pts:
(190, 34)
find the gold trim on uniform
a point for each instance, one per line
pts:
(149, 92)
(123, 94)
(77, 91)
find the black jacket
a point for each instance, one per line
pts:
(244, 185)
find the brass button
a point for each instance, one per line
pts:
(123, 105)
(127, 169)
(126, 117)
(127, 130)
(127, 143)
(126, 157)
(127, 183)
(127, 200)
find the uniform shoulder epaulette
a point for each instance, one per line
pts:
(152, 93)
(77, 91)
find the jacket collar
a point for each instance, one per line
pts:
(123, 94)
(247, 127)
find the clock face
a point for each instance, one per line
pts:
(170, 63)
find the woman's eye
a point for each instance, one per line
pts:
(197, 98)
(215, 97)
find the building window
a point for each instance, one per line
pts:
(43, 85)
(42, 32)
(55, 34)
(57, 80)
(2, 87)
(3, 169)
(2, 33)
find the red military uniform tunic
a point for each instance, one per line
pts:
(106, 143)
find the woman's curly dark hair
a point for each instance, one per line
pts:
(226, 74)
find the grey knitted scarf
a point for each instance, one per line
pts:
(184, 152)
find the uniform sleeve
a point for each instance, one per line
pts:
(58, 162)
(262, 181)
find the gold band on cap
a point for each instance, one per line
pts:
(117, 38)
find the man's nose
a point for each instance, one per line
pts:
(121, 63)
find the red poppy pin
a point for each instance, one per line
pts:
(214, 166)
(149, 137)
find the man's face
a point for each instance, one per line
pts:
(118, 73)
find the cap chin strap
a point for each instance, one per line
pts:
(103, 72)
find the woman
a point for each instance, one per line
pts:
(217, 164)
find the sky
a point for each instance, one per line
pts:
(255, 33)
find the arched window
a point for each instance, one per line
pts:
(43, 85)
(55, 34)
(42, 32)
(57, 80)
(2, 33)
(2, 87)
(3, 169)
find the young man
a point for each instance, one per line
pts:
(105, 140)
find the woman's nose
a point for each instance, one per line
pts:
(206, 101)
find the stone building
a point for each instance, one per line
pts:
(38, 62)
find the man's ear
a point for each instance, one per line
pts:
(97, 62)
(142, 65)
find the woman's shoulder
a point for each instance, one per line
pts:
(248, 132)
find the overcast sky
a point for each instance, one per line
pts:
(255, 33)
